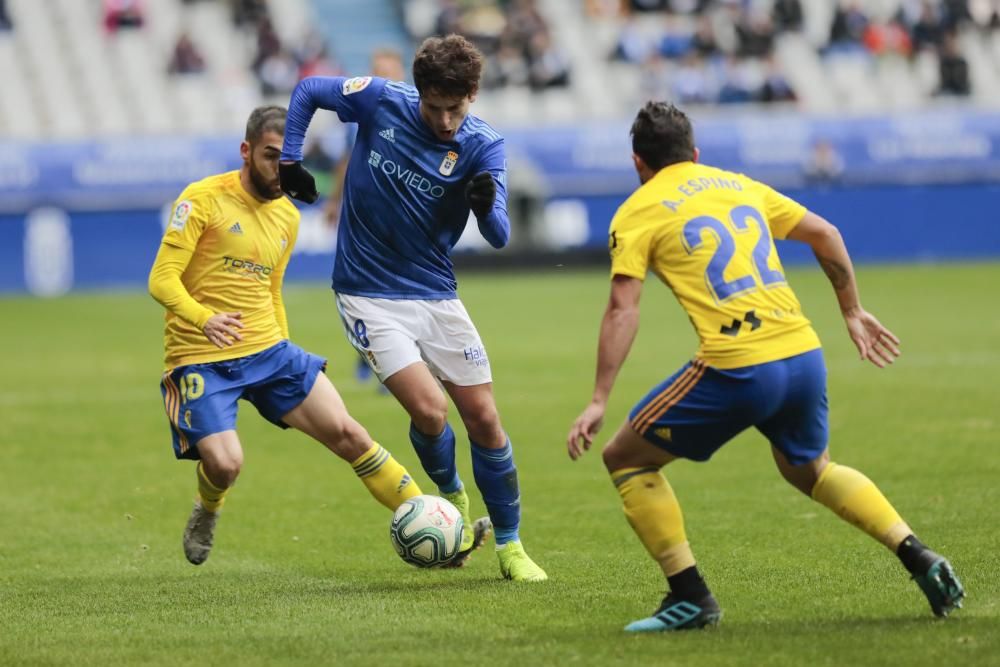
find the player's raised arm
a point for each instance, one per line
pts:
(352, 98)
(874, 342)
(486, 193)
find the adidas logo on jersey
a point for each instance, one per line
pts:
(389, 134)
(236, 229)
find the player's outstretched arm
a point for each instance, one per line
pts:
(353, 100)
(618, 328)
(166, 287)
(874, 342)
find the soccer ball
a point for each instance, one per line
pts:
(426, 531)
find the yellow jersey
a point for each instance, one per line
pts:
(708, 235)
(241, 247)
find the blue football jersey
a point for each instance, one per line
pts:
(404, 205)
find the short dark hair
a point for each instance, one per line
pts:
(449, 66)
(662, 135)
(265, 119)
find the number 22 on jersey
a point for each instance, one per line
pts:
(740, 218)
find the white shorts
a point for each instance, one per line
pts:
(392, 335)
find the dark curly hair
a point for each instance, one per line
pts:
(662, 135)
(448, 66)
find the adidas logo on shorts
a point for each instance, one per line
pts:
(389, 134)
(236, 229)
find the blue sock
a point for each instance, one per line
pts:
(496, 478)
(437, 456)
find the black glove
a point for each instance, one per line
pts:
(297, 182)
(480, 192)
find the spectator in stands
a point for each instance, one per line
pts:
(483, 24)
(954, 68)
(887, 38)
(186, 59)
(5, 23)
(268, 42)
(776, 87)
(704, 41)
(449, 19)
(524, 21)
(548, 64)
(278, 73)
(605, 9)
(848, 26)
(676, 40)
(824, 163)
(633, 45)
(955, 13)
(928, 30)
(755, 35)
(248, 12)
(735, 86)
(122, 14)
(507, 68)
(653, 80)
(691, 82)
(649, 5)
(787, 15)
(314, 57)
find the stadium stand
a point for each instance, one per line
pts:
(123, 67)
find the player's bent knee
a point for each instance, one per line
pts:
(347, 439)
(803, 476)
(430, 419)
(612, 457)
(484, 428)
(223, 471)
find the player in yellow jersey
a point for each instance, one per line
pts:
(218, 273)
(707, 234)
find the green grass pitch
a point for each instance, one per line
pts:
(93, 504)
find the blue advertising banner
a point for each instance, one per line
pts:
(913, 187)
(784, 149)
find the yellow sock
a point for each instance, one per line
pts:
(855, 499)
(212, 497)
(385, 478)
(655, 515)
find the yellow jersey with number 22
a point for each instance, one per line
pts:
(708, 234)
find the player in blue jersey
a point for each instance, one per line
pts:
(388, 64)
(420, 163)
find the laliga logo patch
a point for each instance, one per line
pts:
(181, 214)
(356, 84)
(613, 244)
(448, 163)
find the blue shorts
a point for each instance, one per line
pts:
(200, 399)
(698, 409)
